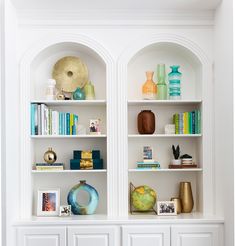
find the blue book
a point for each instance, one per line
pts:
(193, 123)
(64, 123)
(32, 108)
(60, 123)
(67, 123)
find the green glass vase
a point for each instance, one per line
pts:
(161, 84)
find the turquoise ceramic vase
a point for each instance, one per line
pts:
(174, 83)
(78, 209)
(78, 94)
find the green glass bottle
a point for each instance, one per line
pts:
(161, 84)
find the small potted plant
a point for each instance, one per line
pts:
(176, 153)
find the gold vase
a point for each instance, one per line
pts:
(186, 197)
(177, 201)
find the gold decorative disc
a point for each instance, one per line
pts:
(70, 72)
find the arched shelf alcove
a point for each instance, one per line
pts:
(35, 69)
(196, 89)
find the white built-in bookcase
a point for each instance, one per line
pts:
(118, 102)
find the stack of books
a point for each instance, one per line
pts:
(148, 161)
(45, 121)
(49, 167)
(187, 122)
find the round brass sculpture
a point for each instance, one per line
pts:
(70, 73)
(50, 156)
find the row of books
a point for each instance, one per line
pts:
(148, 164)
(187, 122)
(45, 121)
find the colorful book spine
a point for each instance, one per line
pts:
(199, 121)
(181, 124)
(193, 122)
(67, 123)
(32, 108)
(71, 124)
(176, 123)
(185, 123)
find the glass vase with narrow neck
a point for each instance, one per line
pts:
(149, 89)
(161, 84)
(174, 78)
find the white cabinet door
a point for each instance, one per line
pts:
(195, 235)
(92, 236)
(41, 236)
(146, 235)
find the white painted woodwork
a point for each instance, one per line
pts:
(92, 236)
(41, 236)
(194, 235)
(146, 235)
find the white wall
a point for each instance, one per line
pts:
(224, 118)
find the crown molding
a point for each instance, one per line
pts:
(118, 18)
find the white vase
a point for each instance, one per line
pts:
(176, 162)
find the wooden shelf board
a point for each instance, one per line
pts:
(163, 102)
(71, 102)
(167, 170)
(71, 171)
(69, 136)
(163, 135)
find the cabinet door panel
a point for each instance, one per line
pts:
(41, 236)
(146, 235)
(195, 235)
(92, 236)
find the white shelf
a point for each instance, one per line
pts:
(68, 136)
(163, 102)
(71, 102)
(167, 170)
(164, 135)
(71, 171)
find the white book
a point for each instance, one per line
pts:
(42, 119)
(55, 122)
(46, 120)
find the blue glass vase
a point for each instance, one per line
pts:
(78, 94)
(174, 83)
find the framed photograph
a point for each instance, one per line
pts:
(166, 208)
(65, 210)
(95, 127)
(147, 153)
(48, 202)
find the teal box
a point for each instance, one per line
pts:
(77, 154)
(75, 164)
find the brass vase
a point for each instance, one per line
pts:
(177, 201)
(186, 197)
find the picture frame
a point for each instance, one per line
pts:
(65, 210)
(48, 202)
(166, 208)
(94, 127)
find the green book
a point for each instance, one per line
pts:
(176, 123)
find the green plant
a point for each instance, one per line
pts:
(176, 151)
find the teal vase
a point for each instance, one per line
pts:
(174, 83)
(161, 84)
(78, 209)
(78, 94)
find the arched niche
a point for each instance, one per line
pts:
(42, 66)
(169, 54)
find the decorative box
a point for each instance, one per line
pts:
(92, 154)
(76, 164)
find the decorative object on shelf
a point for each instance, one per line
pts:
(166, 208)
(176, 154)
(186, 197)
(178, 205)
(86, 160)
(50, 90)
(60, 95)
(186, 159)
(187, 122)
(95, 127)
(65, 210)
(50, 156)
(174, 83)
(78, 94)
(93, 199)
(161, 84)
(147, 153)
(89, 91)
(149, 89)
(183, 166)
(49, 167)
(70, 72)
(48, 203)
(146, 122)
(142, 199)
(170, 129)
